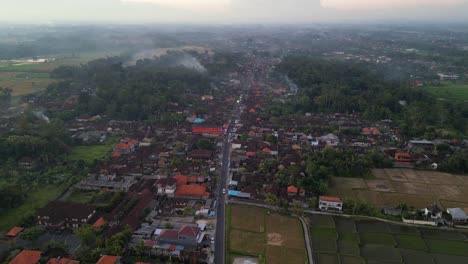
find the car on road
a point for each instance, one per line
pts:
(224, 191)
(212, 240)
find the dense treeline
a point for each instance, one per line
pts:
(140, 92)
(336, 86)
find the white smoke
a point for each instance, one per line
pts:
(173, 60)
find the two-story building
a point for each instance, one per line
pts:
(61, 215)
(166, 186)
(329, 203)
(186, 235)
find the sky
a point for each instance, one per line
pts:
(232, 11)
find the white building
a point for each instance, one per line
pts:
(328, 203)
(166, 186)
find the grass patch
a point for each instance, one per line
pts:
(440, 258)
(344, 225)
(350, 237)
(323, 232)
(81, 196)
(448, 247)
(403, 229)
(450, 91)
(441, 234)
(416, 257)
(325, 258)
(377, 238)
(381, 253)
(36, 199)
(348, 248)
(410, 242)
(372, 226)
(324, 245)
(322, 221)
(90, 153)
(351, 260)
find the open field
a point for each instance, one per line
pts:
(25, 77)
(380, 242)
(35, 200)
(269, 236)
(89, 153)
(413, 187)
(450, 91)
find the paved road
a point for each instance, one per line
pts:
(221, 202)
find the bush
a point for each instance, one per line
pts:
(32, 233)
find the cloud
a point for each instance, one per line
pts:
(186, 4)
(387, 4)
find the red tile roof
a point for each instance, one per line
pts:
(266, 150)
(191, 231)
(108, 260)
(100, 222)
(14, 231)
(116, 155)
(207, 130)
(292, 189)
(371, 130)
(27, 257)
(62, 261)
(330, 198)
(122, 146)
(181, 179)
(169, 234)
(191, 190)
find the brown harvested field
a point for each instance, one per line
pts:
(247, 242)
(414, 187)
(282, 255)
(280, 240)
(288, 230)
(351, 183)
(380, 185)
(243, 217)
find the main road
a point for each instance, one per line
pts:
(221, 201)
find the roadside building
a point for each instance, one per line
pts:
(329, 203)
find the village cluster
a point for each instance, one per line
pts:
(162, 182)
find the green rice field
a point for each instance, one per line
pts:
(342, 240)
(450, 91)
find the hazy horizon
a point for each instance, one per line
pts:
(232, 11)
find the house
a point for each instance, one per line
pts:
(207, 130)
(186, 236)
(458, 215)
(99, 223)
(62, 215)
(109, 260)
(370, 131)
(329, 203)
(126, 145)
(329, 140)
(293, 191)
(421, 145)
(26, 163)
(14, 232)
(434, 211)
(166, 186)
(27, 257)
(444, 77)
(62, 261)
(201, 154)
(404, 157)
(192, 191)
